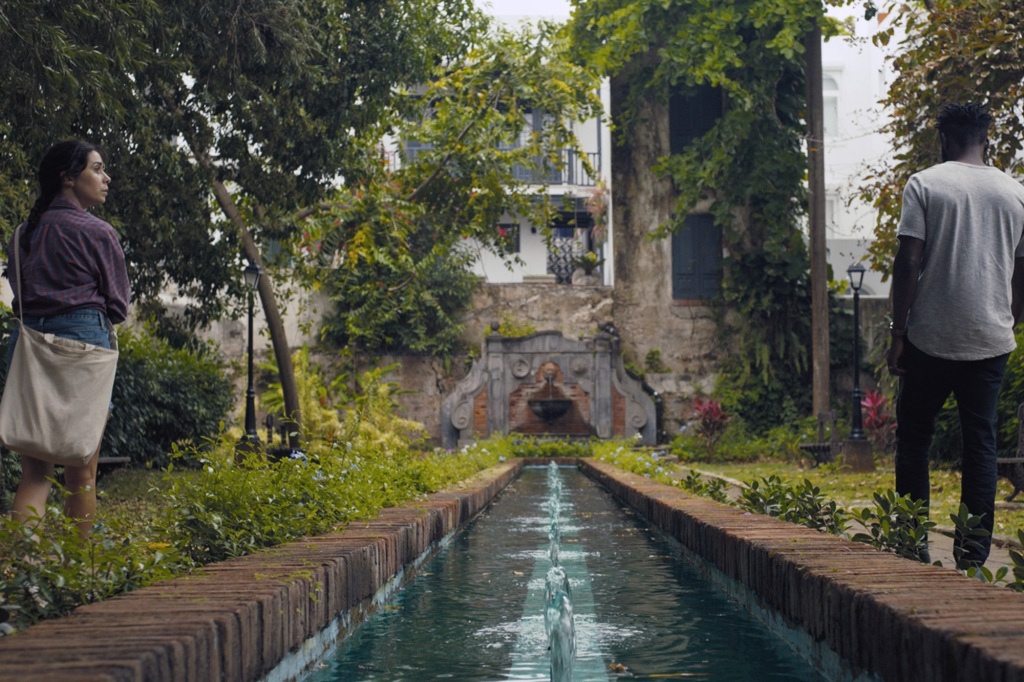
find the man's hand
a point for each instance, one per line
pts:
(895, 358)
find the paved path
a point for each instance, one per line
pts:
(940, 545)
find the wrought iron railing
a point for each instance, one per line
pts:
(572, 170)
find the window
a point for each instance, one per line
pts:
(413, 149)
(697, 259)
(691, 115)
(830, 102)
(830, 211)
(508, 238)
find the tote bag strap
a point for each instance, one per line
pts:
(17, 274)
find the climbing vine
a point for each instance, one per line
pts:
(749, 168)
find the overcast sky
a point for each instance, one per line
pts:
(515, 8)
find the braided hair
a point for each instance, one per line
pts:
(63, 160)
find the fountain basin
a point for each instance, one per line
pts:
(549, 409)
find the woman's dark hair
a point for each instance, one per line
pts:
(63, 160)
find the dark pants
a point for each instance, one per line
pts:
(975, 385)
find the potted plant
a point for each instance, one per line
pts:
(585, 266)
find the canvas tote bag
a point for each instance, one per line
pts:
(54, 406)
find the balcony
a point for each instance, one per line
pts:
(572, 171)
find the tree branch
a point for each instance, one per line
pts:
(461, 136)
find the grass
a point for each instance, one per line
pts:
(133, 498)
(853, 491)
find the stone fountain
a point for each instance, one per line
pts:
(548, 385)
(551, 407)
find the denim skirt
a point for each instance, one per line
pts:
(87, 326)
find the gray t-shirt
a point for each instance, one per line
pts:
(971, 219)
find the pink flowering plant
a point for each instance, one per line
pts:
(711, 422)
(879, 421)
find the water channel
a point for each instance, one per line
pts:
(637, 608)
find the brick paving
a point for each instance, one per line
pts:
(898, 620)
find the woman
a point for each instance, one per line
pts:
(73, 284)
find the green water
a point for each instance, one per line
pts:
(476, 611)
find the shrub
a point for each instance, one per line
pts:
(239, 506)
(895, 524)
(713, 488)
(163, 396)
(653, 464)
(10, 463)
(512, 328)
(49, 576)
(317, 404)
(1010, 397)
(520, 445)
(803, 504)
(737, 445)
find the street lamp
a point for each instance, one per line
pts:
(251, 439)
(856, 275)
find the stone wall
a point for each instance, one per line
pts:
(640, 309)
(575, 311)
(684, 336)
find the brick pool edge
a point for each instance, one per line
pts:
(239, 619)
(897, 619)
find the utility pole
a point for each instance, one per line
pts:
(816, 224)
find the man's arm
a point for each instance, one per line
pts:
(1017, 284)
(906, 270)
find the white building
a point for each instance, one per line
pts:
(571, 188)
(855, 78)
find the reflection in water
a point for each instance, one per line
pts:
(477, 611)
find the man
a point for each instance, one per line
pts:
(957, 292)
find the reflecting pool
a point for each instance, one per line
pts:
(639, 609)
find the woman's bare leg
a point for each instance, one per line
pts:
(80, 503)
(33, 490)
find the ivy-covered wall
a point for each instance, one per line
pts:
(684, 336)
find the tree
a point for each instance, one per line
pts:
(391, 246)
(953, 50)
(253, 109)
(61, 71)
(750, 163)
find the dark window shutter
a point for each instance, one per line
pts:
(691, 115)
(697, 259)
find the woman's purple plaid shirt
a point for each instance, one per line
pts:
(76, 262)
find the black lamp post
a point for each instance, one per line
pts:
(251, 439)
(856, 275)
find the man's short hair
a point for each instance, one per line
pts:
(965, 124)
